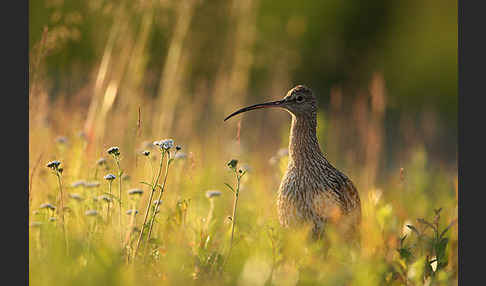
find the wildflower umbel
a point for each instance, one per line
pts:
(91, 213)
(54, 165)
(35, 224)
(78, 184)
(212, 194)
(135, 192)
(129, 212)
(76, 197)
(61, 140)
(232, 164)
(93, 184)
(180, 155)
(165, 144)
(105, 198)
(47, 206)
(114, 151)
(110, 177)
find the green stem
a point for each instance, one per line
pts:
(154, 188)
(108, 211)
(233, 219)
(62, 209)
(160, 196)
(120, 201)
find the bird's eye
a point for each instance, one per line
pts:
(299, 99)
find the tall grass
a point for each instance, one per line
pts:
(409, 200)
(186, 248)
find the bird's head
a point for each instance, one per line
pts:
(299, 101)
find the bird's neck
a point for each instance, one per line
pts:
(303, 144)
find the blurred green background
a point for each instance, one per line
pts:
(221, 55)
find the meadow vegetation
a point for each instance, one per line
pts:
(134, 179)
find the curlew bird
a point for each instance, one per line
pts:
(312, 190)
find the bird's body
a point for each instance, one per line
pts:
(312, 190)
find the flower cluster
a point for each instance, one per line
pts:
(101, 161)
(54, 165)
(110, 177)
(62, 140)
(180, 155)
(93, 184)
(232, 164)
(115, 151)
(47, 206)
(105, 198)
(165, 144)
(76, 184)
(135, 192)
(91, 213)
(76, 197)
(129, 212)
(212, 194)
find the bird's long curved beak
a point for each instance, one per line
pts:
(277, 103)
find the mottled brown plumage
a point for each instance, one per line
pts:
(312, 190)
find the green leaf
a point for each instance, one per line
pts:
(440, 248)
(405, 253)
(231, 188)
(414, 229)
(448, 227)
(423, 221)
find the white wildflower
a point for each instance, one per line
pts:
(213, 193)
